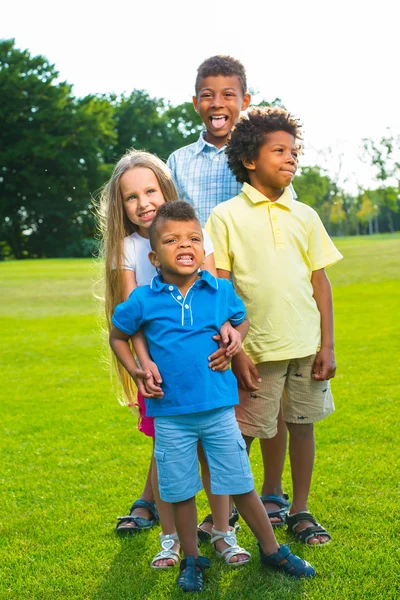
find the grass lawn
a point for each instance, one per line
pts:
(72, 458)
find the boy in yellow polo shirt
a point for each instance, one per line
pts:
(277, 250)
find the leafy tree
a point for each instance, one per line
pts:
(384, 155)
(51, 157)
(151, 124)
(314, 187)
(367, 211)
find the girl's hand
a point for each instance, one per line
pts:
(219, 360)
(140, 378)
(231, 338)
(153, 382)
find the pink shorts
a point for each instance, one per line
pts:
(145, 424)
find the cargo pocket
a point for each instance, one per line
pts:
(244, 459)
(159, 455)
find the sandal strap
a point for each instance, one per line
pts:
(165, 554)
(296, 518)
(228, 536)
(169, 536)
(306, 534)
(202, 562)
(150, 506)
(273, 499)
(233, 549)
(140, 522)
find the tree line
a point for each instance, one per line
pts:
(57, 150)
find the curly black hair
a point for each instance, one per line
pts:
(250, 133)
(171, 211)
(221, 65)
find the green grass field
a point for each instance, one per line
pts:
(72, 459)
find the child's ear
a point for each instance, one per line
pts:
(154, 260)
(248, 164)
(195, 103)
(246, 101)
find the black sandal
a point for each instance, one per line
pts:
(141, 524)
(205, 536)
(191, 573)
(292, 522)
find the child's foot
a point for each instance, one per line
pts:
(142, 515)
(204, 529)
(169, 554)
(276, 508)
(191, 573)
(306, 529)
(284, 560)
(226, 546)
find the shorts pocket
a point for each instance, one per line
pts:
(162, 469)
(244, 458)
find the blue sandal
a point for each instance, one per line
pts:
(283, 504)
(293, 565)
(140, 523)
(191, 573)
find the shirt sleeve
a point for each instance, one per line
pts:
(208, 245)
(129, 255)
(128, 316)
(236, 308)
(218, 232)
(321, 250)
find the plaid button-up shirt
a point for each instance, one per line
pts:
(202, 176)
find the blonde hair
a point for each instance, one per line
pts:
(114, 226)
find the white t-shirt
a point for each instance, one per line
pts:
(136, 256)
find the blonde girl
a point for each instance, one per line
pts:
(139, 185)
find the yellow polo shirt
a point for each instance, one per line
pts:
(272, 248)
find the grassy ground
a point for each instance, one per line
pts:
(72, 459)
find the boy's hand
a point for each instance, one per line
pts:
(246, 372)
(219, 360)
(324, 366)
(231, 338)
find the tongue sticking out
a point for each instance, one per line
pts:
(218, 123)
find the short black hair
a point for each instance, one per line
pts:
(221, 65)
(171, 211)
(249, 134)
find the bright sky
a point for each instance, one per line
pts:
(334, 64)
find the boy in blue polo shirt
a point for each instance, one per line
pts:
(179, 312)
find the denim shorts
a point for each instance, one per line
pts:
(224, 448)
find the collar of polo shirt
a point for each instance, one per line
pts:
(256, 197)
(158, 285)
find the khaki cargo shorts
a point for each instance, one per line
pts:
(304, 400)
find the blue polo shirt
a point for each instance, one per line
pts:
(179, 334)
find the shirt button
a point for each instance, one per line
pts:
(213, 185)
(274, 217)
(179, 297)
(186, 305)
(171, 287)
(277, 231)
